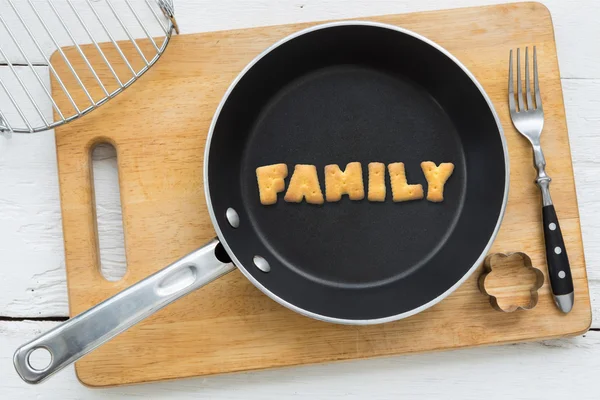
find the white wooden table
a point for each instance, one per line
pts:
(33, 295)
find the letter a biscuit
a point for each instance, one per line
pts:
(304, 184)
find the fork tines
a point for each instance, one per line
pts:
(536, 88)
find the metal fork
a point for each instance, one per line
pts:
(528, 119)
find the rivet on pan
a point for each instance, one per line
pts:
(262, 264)
(232, 217)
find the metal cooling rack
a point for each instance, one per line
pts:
(32, 30)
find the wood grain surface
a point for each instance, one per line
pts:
(159, 128)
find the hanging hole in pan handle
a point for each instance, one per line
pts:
(76, 337)
(39, 358)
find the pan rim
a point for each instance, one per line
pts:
(294, 307)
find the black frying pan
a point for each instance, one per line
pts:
(332, 94)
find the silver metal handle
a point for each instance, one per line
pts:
(78, 336)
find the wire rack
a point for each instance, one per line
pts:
(38, 36)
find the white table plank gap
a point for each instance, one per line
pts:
(564, 368)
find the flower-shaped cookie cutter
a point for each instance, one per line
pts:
(488, 268)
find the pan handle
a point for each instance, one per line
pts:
(81, 334)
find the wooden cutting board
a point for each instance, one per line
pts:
(159, 127)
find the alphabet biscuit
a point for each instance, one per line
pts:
(376, 182)
(338, 183)
(401, 190)
(304, 184)
(436, 179)
(270, 182)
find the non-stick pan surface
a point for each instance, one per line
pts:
(361, 92)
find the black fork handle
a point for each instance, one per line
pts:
(559, 268)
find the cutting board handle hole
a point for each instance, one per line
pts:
(108, 212)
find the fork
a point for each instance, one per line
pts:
(528, 119)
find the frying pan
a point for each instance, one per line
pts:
(332, 94)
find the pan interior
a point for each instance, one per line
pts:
(342, 114)
(365, 93)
